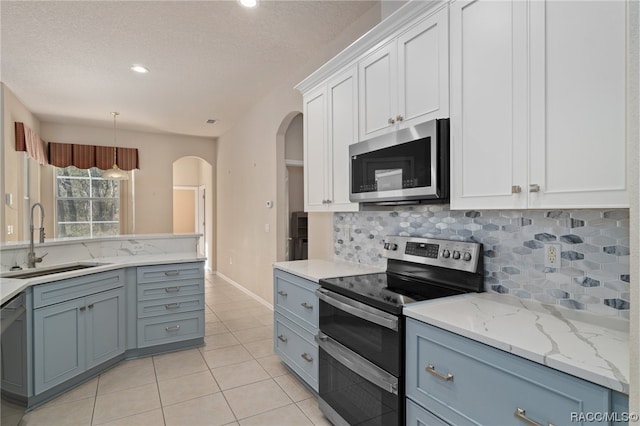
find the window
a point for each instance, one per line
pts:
(86, 204)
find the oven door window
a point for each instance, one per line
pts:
(355, 399)
(378, 344)
(402, 166)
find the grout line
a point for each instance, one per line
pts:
(155, 373)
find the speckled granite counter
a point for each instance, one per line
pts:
(316, 269)
(591, 347)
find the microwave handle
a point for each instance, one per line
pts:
(357, 309)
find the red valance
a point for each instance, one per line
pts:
(27, 140)
(87, 156)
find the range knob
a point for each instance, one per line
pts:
(456, 254)
(390, 246)
(446, 253)
(466, 257)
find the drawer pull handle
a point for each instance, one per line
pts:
(282, 293)
(170, 329)
(90, 306)
(172, 273)
(521, 414)
(306, 305)
(307, 357)
(172, 289)
(432, 370)
(83, 308)
(282, 338)
(172, 306)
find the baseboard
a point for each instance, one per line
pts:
(244, 290)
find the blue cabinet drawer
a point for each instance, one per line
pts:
(297, 349)
(449, 375)
(295, 298)
(170, 328)
(170, 290)
(418, 416)
(175, 305)
(73, 288)
(171, 272)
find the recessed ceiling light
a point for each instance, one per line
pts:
(248, 3)
(140, 69)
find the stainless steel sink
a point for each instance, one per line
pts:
(32, 273)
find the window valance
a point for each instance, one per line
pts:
(87, 156)
(27, 140)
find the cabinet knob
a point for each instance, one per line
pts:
(391, 121)
(83, 308)
(399, 118)
(90, 306)
(516, 189)
(534, 187)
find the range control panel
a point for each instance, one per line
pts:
(460, 255)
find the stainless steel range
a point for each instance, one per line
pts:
(361, 337)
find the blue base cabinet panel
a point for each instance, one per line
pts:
(76, 335)
(418, 416)
(296, 324)
(465, 382)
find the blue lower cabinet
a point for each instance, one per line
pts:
(418, 416)
(74, 336)
(461, 381)
(297, 348)
(170, 328)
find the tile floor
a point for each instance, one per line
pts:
(235, 379)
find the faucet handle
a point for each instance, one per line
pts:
(39, 259)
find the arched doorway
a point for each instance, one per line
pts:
(193, 203)
(292, 240)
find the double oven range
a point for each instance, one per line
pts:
(361, 335)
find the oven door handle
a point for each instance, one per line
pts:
(357, 364)
(358, 309)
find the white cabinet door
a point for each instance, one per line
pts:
(343, 131)
(423, 71)
(315, 141)
(378, 86)
(578, 82)
(488, 104)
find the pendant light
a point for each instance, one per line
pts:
(115, 172)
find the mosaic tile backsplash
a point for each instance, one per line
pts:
(594, 270)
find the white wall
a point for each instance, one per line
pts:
(251, 171)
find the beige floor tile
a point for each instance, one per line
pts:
(265, 396)
(265, 319)
(293, 387)
(310, 408)
(273, 365)
(254, 334)
(127, 375)
(187, 387)
(148, 418)
(178, 364)
(210, 410)
(70, 413)
(116, 405)
(260, 348)
(234, 314)
(218, 341)
(239, 374)
(290, 415)
(83, 391)
(10, 414)
(242, 323)
(226, 356)
(212, 328)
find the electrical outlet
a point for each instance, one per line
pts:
(552, 255)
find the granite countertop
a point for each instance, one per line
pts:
(594, 348)
(10, 287)
(317, 269)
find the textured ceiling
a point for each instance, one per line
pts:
(68, 61)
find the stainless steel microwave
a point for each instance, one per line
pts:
(409, 166)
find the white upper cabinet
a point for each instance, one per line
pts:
(406, 80)
(330, 126)
(538, 104)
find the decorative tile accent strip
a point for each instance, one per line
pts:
(594, 271)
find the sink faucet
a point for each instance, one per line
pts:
(32, 258)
